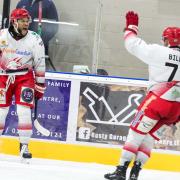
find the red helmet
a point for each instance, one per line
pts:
(173, 35)
(19, 14)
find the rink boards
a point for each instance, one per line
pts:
(87, 120)
(80, 153)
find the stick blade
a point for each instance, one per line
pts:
(40, 128)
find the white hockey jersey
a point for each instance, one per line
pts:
(163, 65)
(27, 52)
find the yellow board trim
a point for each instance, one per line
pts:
(82, 153)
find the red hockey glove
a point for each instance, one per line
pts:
(132, 21)
(39, 90)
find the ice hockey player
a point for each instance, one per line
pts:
(160, 107)
(22, 74)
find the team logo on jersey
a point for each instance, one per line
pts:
(3, 43)
(27, 95)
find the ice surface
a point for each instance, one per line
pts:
(11, 168)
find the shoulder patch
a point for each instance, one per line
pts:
(34, 33)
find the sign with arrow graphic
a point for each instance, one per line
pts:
(108, 111)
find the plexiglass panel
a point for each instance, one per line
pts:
(90, 33)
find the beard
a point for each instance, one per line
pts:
(23, 31)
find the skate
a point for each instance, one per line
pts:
(24, 153)
(119, 174)
(134, 173)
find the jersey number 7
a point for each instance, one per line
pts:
(175, 67)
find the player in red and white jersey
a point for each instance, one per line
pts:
(163, 63)
(161, 106)
(22, 73)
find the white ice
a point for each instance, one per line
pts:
(11, 168)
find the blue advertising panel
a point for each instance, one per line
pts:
(51, 116)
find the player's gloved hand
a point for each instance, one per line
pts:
(132, 21)
(39, 90)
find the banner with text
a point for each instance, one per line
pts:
(105, 113)
(52, 112)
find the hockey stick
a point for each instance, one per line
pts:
(40, 18)
(37, 125)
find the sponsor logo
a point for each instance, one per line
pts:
(133, 99)
(137, 118)
(147, 124)
(17, 51)
(160, 132)
(24, 53)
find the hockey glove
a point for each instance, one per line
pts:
(39, 90)
(132, 22)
